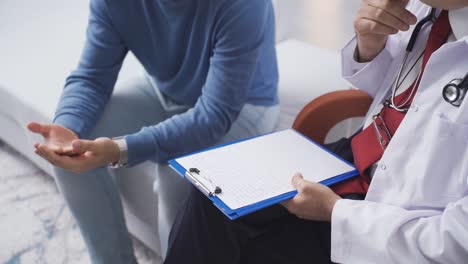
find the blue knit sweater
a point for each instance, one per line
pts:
(215, 55)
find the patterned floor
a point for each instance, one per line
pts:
(35, 225)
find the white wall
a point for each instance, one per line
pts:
(327, 24)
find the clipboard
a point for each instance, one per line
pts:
(205, 184)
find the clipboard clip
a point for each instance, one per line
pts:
(207, 190)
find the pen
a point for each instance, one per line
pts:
(214, 190)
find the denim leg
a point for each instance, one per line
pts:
(93, 197)
(95, 203)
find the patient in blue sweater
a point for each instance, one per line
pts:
(210, 77)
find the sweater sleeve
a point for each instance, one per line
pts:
(89, 87)
(239, 34)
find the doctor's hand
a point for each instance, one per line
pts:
(88, 154)
(314, 201)
(375, 21)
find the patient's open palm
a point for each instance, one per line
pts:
(62, 148)
(57, 138)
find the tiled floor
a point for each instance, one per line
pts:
(36, 227)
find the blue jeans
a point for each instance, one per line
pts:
(93, 197)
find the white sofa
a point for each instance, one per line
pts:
(41, 43)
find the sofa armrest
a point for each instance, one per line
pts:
(319, 116)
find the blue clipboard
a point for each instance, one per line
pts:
(234, 214)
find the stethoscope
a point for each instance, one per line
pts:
(454, 92)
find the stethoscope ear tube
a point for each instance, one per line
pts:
(429, 18)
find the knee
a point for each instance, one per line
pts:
(198, 203)
(70, 183)
(196, 198)
(60, 173)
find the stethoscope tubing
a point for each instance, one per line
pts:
(460, 87)
(429, 18)
(464, 82)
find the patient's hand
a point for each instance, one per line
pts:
(57, 138)
(63, 149)
(313, 201)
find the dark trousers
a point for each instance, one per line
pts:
(202, 234)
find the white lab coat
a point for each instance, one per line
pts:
(416, 210)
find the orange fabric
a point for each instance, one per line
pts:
(321, 114)
(317, 118)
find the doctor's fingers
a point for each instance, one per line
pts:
(378, 21)
(298, 182)
(295, 205)
(364, 27)
(395, 8)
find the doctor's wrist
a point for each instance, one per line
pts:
(330, 205)
(366, 53)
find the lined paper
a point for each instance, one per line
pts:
(261, 168)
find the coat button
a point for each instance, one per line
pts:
(383, 166)
(415, 108)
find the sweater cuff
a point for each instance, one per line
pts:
(142, 146)
(73, 123)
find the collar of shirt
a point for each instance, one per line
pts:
(459, 22)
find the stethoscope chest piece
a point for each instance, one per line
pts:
(454, 92)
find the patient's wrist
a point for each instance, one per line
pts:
(119, 153)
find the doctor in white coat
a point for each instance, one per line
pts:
(416, 208)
